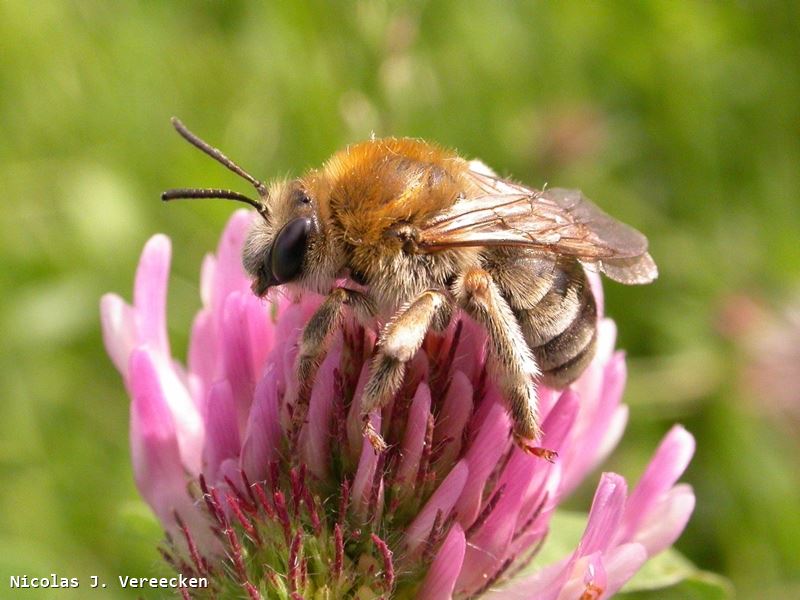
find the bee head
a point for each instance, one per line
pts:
(279, 243)
(277, 247)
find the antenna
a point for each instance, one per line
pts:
(189, 193)
(217, 155)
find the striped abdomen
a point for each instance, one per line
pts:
(554, 305)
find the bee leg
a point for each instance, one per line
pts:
(315, 340)
(398, 342)
(511, 358)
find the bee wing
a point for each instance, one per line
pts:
(504, 213)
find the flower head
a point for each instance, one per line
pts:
(453, 509)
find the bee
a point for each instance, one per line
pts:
(416, 232)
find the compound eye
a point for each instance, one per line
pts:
(289, 249)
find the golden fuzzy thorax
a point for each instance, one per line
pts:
(368, 201)
(373, 185)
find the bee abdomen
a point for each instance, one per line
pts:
(560, 330)
(565, 357)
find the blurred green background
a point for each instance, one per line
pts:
(680, 118)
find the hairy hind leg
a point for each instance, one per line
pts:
(511, 358)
